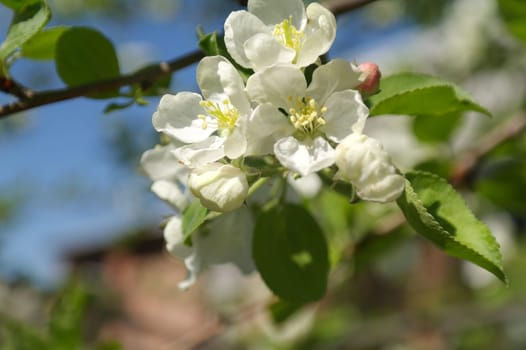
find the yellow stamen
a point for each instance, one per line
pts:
(307, 116)
(225, 114)
(288, 35)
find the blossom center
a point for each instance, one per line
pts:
(288, 35)
(307, 117)
(224, 112)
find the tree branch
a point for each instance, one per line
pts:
(29, 99)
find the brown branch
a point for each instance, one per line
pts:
(466, 163)
(12, 87)
(35, 99)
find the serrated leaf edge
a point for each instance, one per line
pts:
(421, 209)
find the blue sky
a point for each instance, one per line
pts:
(75, 194)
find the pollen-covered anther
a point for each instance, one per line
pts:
(307, 116)
(225, 114)
(287, 34)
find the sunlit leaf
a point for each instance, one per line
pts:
(290, 252)
(436, 211)
(42, 45)
(193, 217)
(28, 20)
(421, 95)
(84, 55)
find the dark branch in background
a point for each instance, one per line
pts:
(29, 99)
(466, 164)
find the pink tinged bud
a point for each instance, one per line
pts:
(371, 84)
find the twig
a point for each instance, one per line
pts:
(12, 87)
(29, 100)
(466, 164)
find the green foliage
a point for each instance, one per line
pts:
(436, 211)
(29, 18)
(428, 129)
(65, 328)
(42, 45)
(281, 310)
(421, 95)
(84, 55)
(504, 183)
(193, 217)
(513, 12)
(290, 252)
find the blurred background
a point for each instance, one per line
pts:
(82, 262)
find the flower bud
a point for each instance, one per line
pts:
(219, 187)
(363, 162)
(371, 84)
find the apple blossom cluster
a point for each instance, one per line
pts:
(301, 126)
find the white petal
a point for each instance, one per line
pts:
(172, 193)
(177, 117)
(266, 126)
(275, 11)
(384, 188)
(198, 154)
(159, 163)
(308, 186)
(193, 265)
(346, 113)
(173, 235)
(263, 51)
(319, 34)
(337, 75)
(235, 144)
(304, 157)
(277, 85)
(217, 76)
(239, 27)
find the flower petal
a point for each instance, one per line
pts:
(198, 154)
(217, 76)
(275, 11)
(263, 51)
(336, 75)
(159, 163)
(173, 235)
(235, 144)
(171, 192)
(346, 113)
(277, 85)
(319, 34)
(177, 117)
(267, 125)
(239, 27)
(304, 157)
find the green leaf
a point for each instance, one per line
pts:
(436, 211)
(17, 4)
(290, 252)
(83, 56)
(429, 129)
(28, 20)
(281, 310)
(421, 95)
(193, 217)
(115, 106)
(504, 183)
(513, 12)
(42, 45)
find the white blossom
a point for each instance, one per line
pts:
(296, 122)
(212, 127)
(362, 161)
(279, 31)
(220, 187)
(168, 175)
